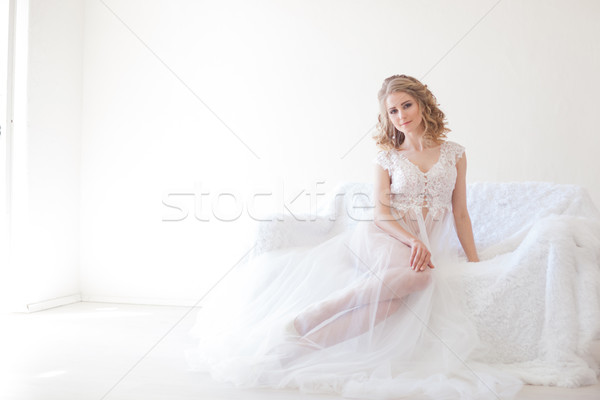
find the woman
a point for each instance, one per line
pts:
(368, 313)
(412, 130)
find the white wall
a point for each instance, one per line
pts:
(46, 151)
(296, 82)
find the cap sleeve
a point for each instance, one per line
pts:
(383, 159)
(454, 152)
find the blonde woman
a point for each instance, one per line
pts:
(420, 193)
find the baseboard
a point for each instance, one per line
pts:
(52, 303)
(152, 301)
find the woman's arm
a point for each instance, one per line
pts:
(420, 257)
(464, 230)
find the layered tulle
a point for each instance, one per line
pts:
(390, 331)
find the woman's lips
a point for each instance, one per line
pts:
(406, 123)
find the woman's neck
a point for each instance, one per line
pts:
(415, 140)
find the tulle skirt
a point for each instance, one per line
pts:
(378, 329)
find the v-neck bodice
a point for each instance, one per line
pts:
(402, 156)
(415, 192)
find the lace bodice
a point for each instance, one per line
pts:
(413, 190)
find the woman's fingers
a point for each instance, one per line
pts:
(420, 257)
(426, 261)
(423, 261)
(417, 257)
(419, 260)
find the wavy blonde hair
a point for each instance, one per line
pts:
(433, 119)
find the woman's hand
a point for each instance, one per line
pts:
(420, 256)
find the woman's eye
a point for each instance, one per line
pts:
(407, 105)
(394, 111)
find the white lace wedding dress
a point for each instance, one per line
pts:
(427, 347)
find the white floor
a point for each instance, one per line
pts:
(103, 351)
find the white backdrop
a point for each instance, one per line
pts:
(182, 98)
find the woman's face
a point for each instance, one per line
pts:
(403, 111)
